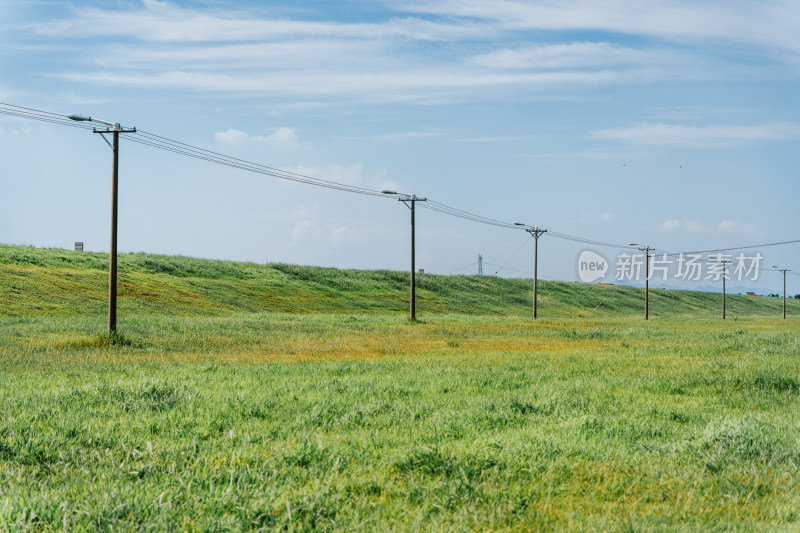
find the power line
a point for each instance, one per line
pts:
(42, 116)
(460, 213)
(507, 268)
(582, 240)
(205, 155)
(738, 248)
(177, 147)
(170, 145)
(510, 258)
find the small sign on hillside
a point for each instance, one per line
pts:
(78, 246)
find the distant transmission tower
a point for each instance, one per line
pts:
(480, 265)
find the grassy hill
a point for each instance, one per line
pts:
(61, 283)
(340, 414)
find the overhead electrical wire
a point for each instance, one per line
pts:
(42, 116)
(582, 240)
(170, 145)
(507, 261)
(735, 248)
(508, 268)
(460, 213)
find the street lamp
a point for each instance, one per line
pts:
(115, 129)
(784, 270)
(410, 200)
(646, 249)
(536, 233)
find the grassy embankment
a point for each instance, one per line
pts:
(58, 282)
(227, 415)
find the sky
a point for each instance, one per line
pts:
(668, 123)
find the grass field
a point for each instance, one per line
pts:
(234, 415)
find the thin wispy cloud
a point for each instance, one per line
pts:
(405, 58)
(605, 155)
(230, 136)
(286, 137)
(722, 228)
(15, 131)
(407, 135)
(379, 84)
(564, 56)
(164, 22)
(698, 136)
(282, 136)
(503, 139)
(283, 54)
(769, 24)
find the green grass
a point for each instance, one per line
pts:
(230, 419)
(59, 282)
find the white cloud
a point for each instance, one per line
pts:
(281, 54)
(725, 227)
(686, 225)
(164, 45)
(509, 138)
(166, 22)
(562, 56)
(375, 86)
(407, 135)
(731, 227)
(302, 230)
(770, 24)
(285, 136)
(607, 217)
(700, 136)
(232, 136)
(16, 131)
(621, 156)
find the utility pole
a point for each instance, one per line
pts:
(724, 275)
(536, 233)
(410, 200)
(115, 129)
(784, 270)
(480, 265)
(646, 249)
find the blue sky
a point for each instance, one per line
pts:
(674, 124)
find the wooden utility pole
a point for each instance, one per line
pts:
(647, 284)
(411, 201)
(646, 249)
(112, 269)
(784, 271)
(536, 232)
(724, 275)
(784, 294)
